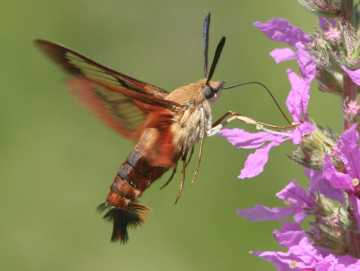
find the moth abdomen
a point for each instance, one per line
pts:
(122, 208)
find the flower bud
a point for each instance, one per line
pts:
(328, 8)
(352, 111)
(330, 81)
(334, 227)
(314, 147)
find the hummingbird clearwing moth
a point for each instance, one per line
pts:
(165, 125)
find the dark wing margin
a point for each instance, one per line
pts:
(79, 65)
(121, 101)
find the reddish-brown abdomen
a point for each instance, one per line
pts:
(134, 176)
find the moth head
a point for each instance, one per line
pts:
(211, 90)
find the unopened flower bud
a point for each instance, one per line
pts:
(328, 8)
(314, 147)
(352, 111)
(330, 81)
(334, 227)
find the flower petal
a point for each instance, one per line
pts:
(263, 213)
(350, 151)
(298, 98)
(279, 29)
(246, 140)
(319, 185)
(283, 54)
(302, 256)
(305, 61)
(347, 263)
(336, 179)
(289, 235)
(296, 196)
(256, 161)
(353, 74)
(282, 260)
(326, 23)
(300, 131)
(355, 204)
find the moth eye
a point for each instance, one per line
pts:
(208, 92)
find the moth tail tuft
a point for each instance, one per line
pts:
(131, 217)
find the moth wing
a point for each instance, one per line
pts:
(121, 101)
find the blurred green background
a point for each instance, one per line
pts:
(57, 160)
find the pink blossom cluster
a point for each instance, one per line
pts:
(330, 205)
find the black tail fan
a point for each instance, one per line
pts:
(122, 219)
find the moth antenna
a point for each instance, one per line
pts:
(216, 58)
(206, 28)
(276, 102)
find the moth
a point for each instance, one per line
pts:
(165, 125)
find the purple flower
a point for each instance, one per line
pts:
(329, 238)
(303, 255)
(330, 29)
(318, 184)
(301, 55)
(279, 29)
(332, 208)
(326, 23)
(348, 151)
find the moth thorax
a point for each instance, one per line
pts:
(192, 126)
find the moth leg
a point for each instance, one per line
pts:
(182, 179)
(191, 155)
(230, 116)
(175, 169)
(196, 172)
(220, 123)
(224, 119)
(170, 178)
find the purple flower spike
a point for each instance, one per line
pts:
(281, 30)
(329, 238)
